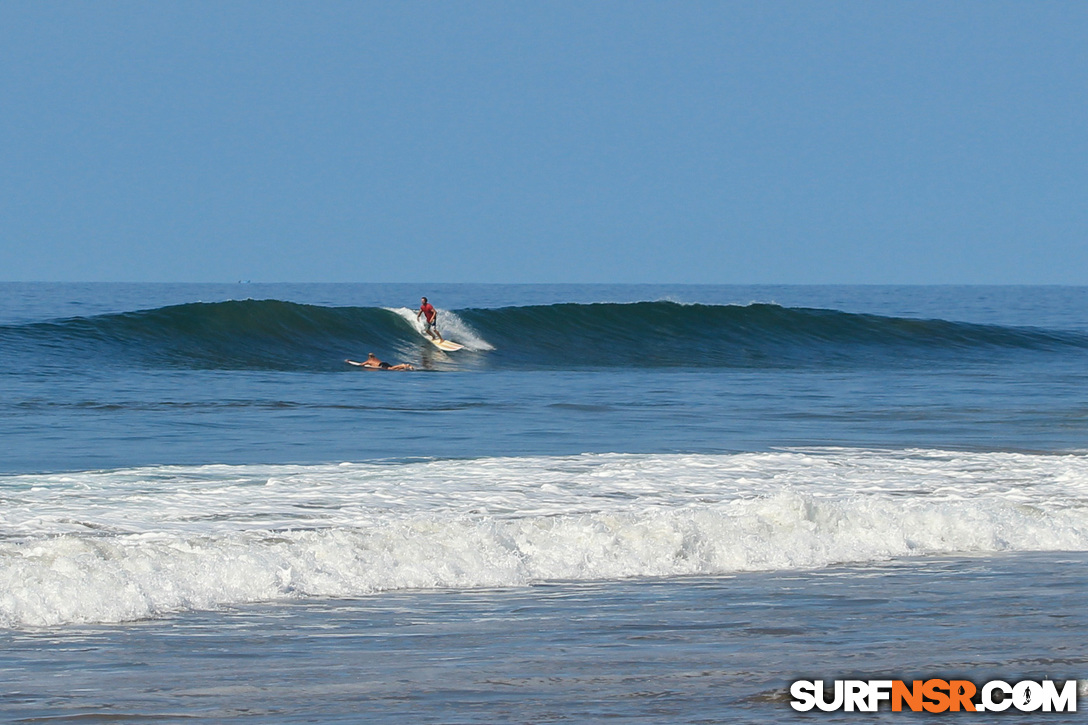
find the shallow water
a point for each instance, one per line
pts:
(687, 650)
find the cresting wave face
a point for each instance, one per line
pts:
(275, 335)
(106, 546)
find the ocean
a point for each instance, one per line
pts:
(632, 503)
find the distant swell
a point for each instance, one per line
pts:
(275, 335)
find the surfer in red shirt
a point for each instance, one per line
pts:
(430, 322)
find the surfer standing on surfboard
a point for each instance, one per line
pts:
(430, 323)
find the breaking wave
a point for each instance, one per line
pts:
(109, 546)
(277, 335)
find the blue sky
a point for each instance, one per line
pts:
(681, 142)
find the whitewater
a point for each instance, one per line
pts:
(110, 546)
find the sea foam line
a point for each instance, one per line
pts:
(220, 499)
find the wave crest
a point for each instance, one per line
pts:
(276, 335)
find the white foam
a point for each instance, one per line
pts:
(106, 546)
(450, 325)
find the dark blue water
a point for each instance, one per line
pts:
(174, 374)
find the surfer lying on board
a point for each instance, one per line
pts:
(372, 361)
(430, 323)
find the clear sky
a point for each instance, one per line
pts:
(702, 142)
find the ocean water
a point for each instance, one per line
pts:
(633, 503)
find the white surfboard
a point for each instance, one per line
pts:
(446, 345)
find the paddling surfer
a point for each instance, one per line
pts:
(372, 361)
(430, 322)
